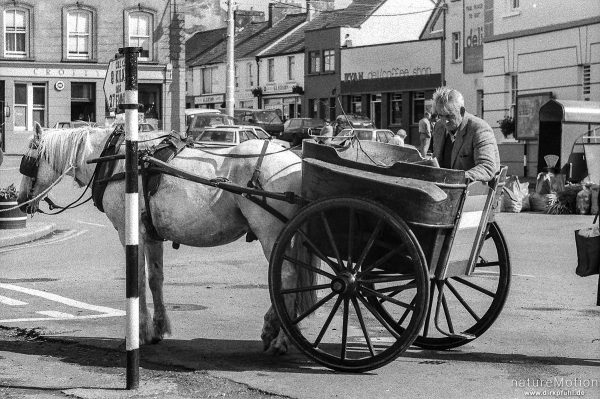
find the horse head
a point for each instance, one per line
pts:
(49, 155)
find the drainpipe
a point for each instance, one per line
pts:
(259, 97)
(443, 66)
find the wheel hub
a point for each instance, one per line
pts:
(344, 284)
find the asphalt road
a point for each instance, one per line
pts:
(547, 335)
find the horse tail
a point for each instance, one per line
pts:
(304, 277)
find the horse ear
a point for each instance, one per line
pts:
(38, 131)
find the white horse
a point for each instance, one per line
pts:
(182, 211)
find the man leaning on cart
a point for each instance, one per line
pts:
(462, 140)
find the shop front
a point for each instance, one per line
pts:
(210, 101)
(282, 97)
(393, 92)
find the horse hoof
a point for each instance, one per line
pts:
(155, 340)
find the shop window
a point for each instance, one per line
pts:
(20, 105)
(17, 32)
(314, 59)
(83, 101)
(271, 69)
(312, 108)
(291, 63)
(396, 109)
(250, 75)
(480, 103)
(329, 60)
(356, 105)
(140, 25)
(79, 34)
(39, 104)
(418, 106)
(149, 98)
(456, 47)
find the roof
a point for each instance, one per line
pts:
(252, 46)
(354, 15)
(570, 111)
(202, 41)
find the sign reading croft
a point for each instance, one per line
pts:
(114, 84)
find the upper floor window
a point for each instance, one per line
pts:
(207, 80)
(250, 76)
(329, 60)
(314, 59)
(456, 46)
(514, 5)
(236, 77)
(271, 69)
(140, 33)
(79, 38)
(16, 32)
(291, 66)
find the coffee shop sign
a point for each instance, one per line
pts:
(387, 73)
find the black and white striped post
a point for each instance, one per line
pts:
(130, 105)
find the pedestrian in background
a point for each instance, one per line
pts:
(462, 140)
(424, 133)
(326, 133)
(398, 138)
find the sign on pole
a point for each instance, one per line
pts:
(114, 84)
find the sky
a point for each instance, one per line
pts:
(263, 5)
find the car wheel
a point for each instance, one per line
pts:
(295, 140)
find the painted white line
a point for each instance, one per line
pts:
(65, 237)
(15, 168)
(496, 273)
(91, 224)
(93, 316)
(56, 315)
(11, 302)
(60, 299)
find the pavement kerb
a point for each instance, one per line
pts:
(33, 231)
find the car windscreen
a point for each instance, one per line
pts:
(364, 134)
(314, 123)
(269, 117)
(261, 134)
(221, 136)
(200, 121)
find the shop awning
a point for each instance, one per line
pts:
(569, 111)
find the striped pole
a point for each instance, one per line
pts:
(130, 105)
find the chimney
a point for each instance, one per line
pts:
(271, 7)
(310, 11)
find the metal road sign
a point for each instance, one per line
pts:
(114, 84)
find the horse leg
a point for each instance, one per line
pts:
(146, 326)
(153, 250)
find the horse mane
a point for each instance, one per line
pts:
(62, 148)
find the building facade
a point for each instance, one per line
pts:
(55, 56)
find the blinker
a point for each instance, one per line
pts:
(29, 166)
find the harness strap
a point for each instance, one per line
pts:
(254, 183)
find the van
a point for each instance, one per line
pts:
(268, 119)
(198, 111)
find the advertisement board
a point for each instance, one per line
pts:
(527, 124)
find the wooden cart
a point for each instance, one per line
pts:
(409, 254)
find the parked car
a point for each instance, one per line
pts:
(268, 119)
(72, 124)
(198, 111)
(297, 129)
(199, 121)
(381, 135)
(142, 126)
(352, 121)
(229, 136)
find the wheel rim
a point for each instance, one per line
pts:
(470, 304)
(349, 327)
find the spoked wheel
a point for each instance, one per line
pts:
(470, 304)
(367, 278)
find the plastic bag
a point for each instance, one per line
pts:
(516, 195)
(588, 251)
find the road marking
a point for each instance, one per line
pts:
(91, 224)
(496, 273)
(15, 168)
(102, 310)
(67, 236)
(56, 315)
(11, 302)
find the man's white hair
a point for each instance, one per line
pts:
(446, 99)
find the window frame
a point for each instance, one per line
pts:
(328, 60)
(314, 62)
(291, 64)
(92, 46)
(270, 69)
(28, 33)
(203, 72)
(249, 73)
(151, 14)
(417, 97)
(456, 47)
(396, 98)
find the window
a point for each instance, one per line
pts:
(480, 103)
(329, 60)
(456, 46)
(250, 77)
(396, 109)
(20, 119)
(207, 80)
(513, 5)
(418, 106)
(514, 90)
(78, 34)
(140, 33)
(586, 76)
(271, 69)
(291, 65)
(16, 33)
(356, 105)
(314, 59)
(39, 104)
(236, 77)
(83, 101)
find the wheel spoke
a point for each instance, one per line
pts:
(387, 279)
(350, 235)
(447, 314)
(474, 286)
(381, 320)
(462, 301)
(369, 245)
(396, 289)
(308, 267)
(313, 308)
(380, 261)
(327, 322)
(344, 330)
(304, 289)
(388, 298)
(332, 240)
(406, 312)
(428, 316)
(317, 251)
(362, 325)
(485, 263)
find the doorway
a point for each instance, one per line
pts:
(83, 102)
(376, 110)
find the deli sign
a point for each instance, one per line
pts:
(114, 84)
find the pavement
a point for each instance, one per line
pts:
(33, 231)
